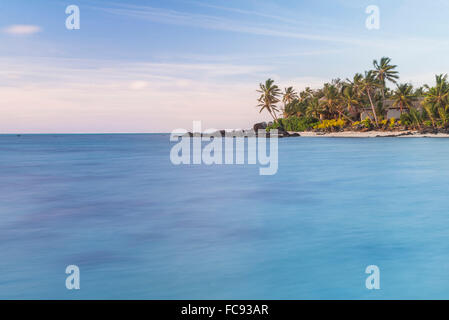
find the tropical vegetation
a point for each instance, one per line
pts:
(373, 100)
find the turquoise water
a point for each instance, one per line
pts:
(140, 227)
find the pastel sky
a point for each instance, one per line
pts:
(154, 66)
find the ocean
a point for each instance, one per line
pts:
(139, 227)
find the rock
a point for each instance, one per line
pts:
(428, 130)
(283, 133)
(260, 126)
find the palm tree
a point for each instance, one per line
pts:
(368, 85)
(288, 96)
(403, 96)
(430, 110)
(443, 116)
(331, 99)
(356, 83)
(416, 117)
(306, 94)
(349, 99)
(314, 108)
(436, 99)
(295, 108)
(438, 95)
(384, 71)
(269, 97)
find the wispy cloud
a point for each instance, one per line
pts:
(22, 29)
(246, 12)
(213, 22)
(116, 96)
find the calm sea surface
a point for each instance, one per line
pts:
(140, 227)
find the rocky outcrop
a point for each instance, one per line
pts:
(260, 126)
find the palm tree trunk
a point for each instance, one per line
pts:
(271, 113)
(345, 116)
(372, 107)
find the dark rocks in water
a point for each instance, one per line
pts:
(389, 136)
(429, 130)
(260, 126)
(395, 135)
(244, 133)
(282, 132)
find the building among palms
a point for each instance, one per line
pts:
(391, 109)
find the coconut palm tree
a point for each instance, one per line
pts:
(269, 97)
(438, 95)
(331, 99)
(436, 99)
(384, 71)
(368, 85)
(356, 83)
(403, 96)
(314, 108)
(288, 97)
(295, 108)
(349, 99)
(306, 94)
(442, 112)
(431, 111)
(416, 117)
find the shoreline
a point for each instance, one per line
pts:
(371, 134)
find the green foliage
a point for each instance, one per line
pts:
(413, 119)
(294, 123)
(367, 123)
(295, 108)
(428, 123)
(349, 99)
(405, 119)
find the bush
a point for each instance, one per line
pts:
(329, 125)
(294, 124)
(405, 119)
(367, 123)
(392, 123)
(428, 123)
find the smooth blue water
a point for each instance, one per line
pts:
(140, 227)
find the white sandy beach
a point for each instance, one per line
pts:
(372, 134)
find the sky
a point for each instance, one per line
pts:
(155, 66)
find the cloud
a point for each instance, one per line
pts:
(77, 95)
(138, 85)
(22, 29)
(213, 22)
